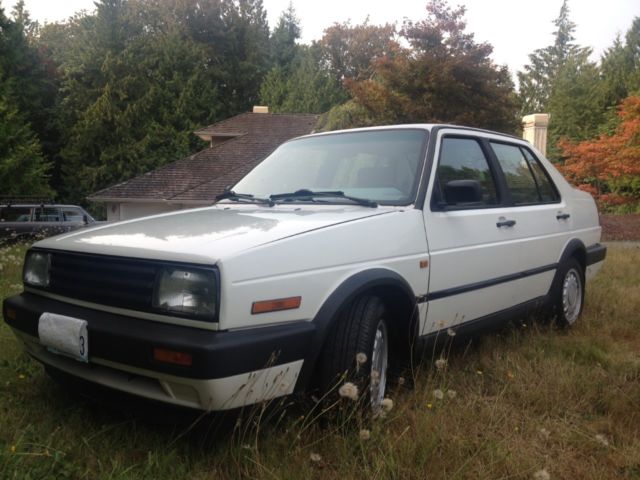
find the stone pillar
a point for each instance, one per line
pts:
(534, 130)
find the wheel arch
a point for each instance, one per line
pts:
(392, 288)
(574, 248)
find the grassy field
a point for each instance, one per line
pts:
(529, 402)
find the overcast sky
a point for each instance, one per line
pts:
(514, 27)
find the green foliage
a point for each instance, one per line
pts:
(305, 87)
(284, 37)
(575, 102)
(23, 168)
(27, 96)
(536, 81)
(138, 77)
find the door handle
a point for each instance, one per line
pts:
(562, 216)
(505, 223)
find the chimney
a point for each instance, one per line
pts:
(534, 130)
(260, 109)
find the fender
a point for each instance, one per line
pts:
(339, 298)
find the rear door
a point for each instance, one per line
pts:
(485, 251)
(47, 221)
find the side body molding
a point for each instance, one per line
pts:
(367, 280)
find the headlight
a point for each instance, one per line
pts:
(36, 269)
(186, 291)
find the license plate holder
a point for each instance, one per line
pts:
(64, 335)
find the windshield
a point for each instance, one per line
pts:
(378, 165)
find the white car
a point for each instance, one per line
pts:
(337, 244)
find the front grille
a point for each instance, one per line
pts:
(113, 281)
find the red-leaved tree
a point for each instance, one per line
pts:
(608, 166)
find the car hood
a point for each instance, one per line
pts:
(206, 235)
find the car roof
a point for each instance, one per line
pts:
(430, 127)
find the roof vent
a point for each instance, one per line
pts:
(260, 109)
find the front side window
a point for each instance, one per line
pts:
(381, 165)
(463, 177)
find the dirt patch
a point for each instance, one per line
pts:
(620, 227)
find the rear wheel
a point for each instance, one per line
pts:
(569, 299)
(357, 350)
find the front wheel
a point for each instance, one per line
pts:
(357, 350)
(569, 299)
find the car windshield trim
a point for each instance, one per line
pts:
(309, 195)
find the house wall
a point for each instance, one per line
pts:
(127, 211)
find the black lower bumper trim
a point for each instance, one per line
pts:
(130, 341)
(596, 253)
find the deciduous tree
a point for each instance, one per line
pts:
(609, 165)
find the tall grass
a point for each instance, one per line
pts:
(528, 402)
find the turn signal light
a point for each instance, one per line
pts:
(169, 356)
(276, 305)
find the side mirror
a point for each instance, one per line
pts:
(458, 192)
(85, 219)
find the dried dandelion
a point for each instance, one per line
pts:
(438, 394)
(387, 404)
(544, 432)
(365, 434)
(452, 394)
(315, 457)
(441, 363)
(542, 475)
(451, 332)
(349, 390)
(602, 439)
(361, 358)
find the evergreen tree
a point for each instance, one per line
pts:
(307, 87)
(536, 81)
(575, 102)
(23, 168)
(284, 38)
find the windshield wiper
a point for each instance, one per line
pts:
(231, 195)
(305, 194)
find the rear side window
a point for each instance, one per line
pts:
(463, 177)
(526, 180)
(47, 214)
(15, 214)
(72, 215)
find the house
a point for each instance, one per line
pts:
(236, 145)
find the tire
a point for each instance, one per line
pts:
(361, 328)
(569, 295)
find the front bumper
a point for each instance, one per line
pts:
(229, 368)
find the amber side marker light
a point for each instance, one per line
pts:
(170, 356)
(276, 305)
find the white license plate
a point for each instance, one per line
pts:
(64, 335)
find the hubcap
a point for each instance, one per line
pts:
(379, 359)
(571, 296)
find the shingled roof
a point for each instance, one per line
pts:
(238, 144)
